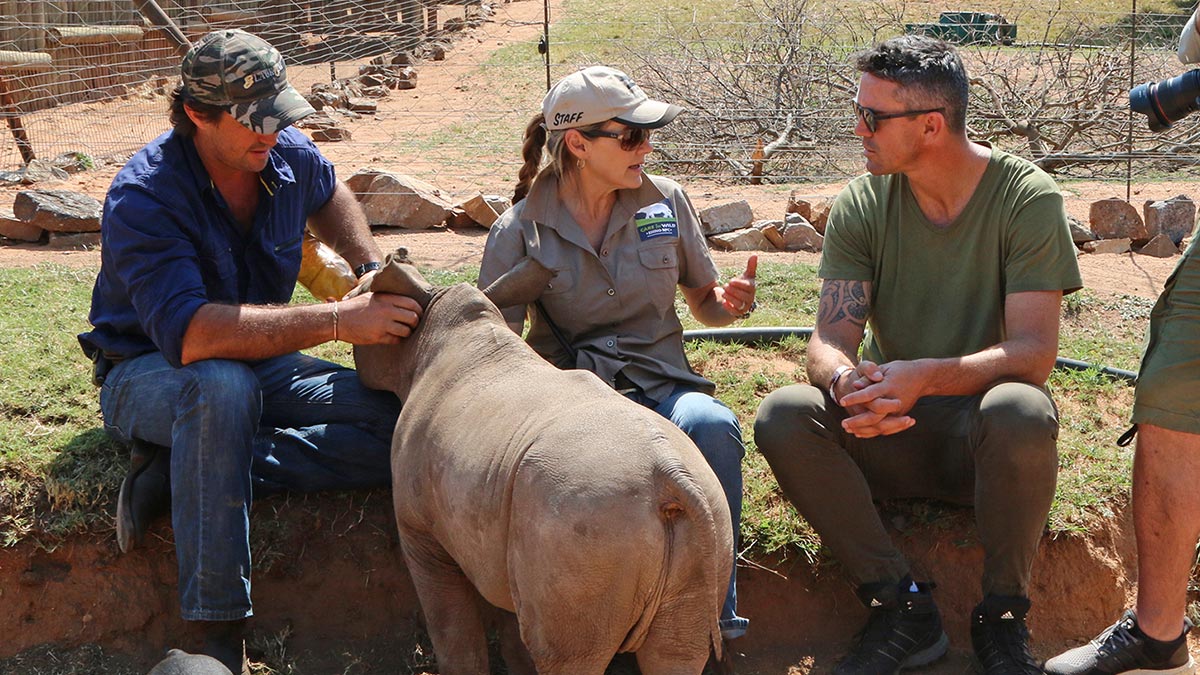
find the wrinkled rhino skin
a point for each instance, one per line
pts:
(593, 519)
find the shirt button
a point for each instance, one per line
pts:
(611, 343)
(604, 252)
(612, 292)
(666, 260)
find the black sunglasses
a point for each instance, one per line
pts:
(631, 138)
(872, 118)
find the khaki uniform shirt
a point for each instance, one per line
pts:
(615, 305)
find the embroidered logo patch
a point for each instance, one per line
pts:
(656, 220)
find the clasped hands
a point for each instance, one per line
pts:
(877, 398)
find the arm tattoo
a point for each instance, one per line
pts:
(843, 301)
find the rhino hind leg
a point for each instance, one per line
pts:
(453, 615)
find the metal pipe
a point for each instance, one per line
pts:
(155, 15)
(774, 335)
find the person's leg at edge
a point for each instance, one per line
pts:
(714, 429)
(1166, 515)
(1013, 439)
(207, 413)
(798, 430)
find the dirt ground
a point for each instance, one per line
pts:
(1087, 580)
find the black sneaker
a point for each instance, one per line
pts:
(1001, 638)
(1122, 648)
(904, 630)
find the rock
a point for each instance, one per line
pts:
(58, 210)
(74, 241)
(402, 59)
(359, 104)
(331, 134)
(404, 78)
(1173, 217)
(1115, 219)
(454, 24)
(1107, 245)
(772, 230)
(480, 210)
(74, 162)
(18, 230)
(800, 235)
(457, 218)
(727, 217)
(748, 239)
(41, 171)
(816, 213)
(437, 52)
(499, 204)
(370, 79)
(376, 92)
(396, 200)
(1079, 233)
(1160, 246)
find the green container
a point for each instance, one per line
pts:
(968, 28)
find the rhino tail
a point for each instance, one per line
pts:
(688, 546)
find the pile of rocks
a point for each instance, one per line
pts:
(395, 200)
(60, 218)
(732, 226)
(1115, 226)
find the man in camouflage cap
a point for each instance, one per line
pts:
(243, 74)
(195, 340)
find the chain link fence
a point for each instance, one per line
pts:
(450, 87)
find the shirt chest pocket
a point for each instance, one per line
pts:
(563, 282)
(658, 258)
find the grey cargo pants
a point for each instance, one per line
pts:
(995, 451)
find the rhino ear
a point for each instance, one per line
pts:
(399, 276)
(522, 285)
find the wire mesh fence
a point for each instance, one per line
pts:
(444, 91)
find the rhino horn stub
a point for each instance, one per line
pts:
(522, 285)
(399, 276)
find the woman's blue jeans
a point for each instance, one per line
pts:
(236, 428)
(715, 430)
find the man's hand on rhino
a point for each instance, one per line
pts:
(377, 318)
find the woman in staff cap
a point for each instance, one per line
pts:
(620, 242)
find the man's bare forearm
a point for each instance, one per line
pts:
(247, 332)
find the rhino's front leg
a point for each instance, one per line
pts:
(516, 655)
(451, 606)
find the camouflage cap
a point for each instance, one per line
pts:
(246, 76)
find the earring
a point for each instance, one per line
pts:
(581, 164)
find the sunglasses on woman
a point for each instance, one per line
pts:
(871, 118)
(630, 139)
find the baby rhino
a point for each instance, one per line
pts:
(594, 520)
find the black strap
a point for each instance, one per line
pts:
(1127, 437)
(557, 332)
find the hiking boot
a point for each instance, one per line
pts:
(1124, 648)
(145, 493)
(904, 630)
(1001, 638)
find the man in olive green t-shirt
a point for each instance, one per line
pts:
(946, 266)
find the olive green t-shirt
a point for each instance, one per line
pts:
(939, 292)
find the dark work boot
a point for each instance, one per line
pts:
(1000, 637)
(145, 493)
(904, 630)
(225, 642)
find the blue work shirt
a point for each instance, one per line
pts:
(170, 244)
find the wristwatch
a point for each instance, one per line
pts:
(362, 269)
(837, 375)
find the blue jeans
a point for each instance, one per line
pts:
(715, 430)
(292, 422)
